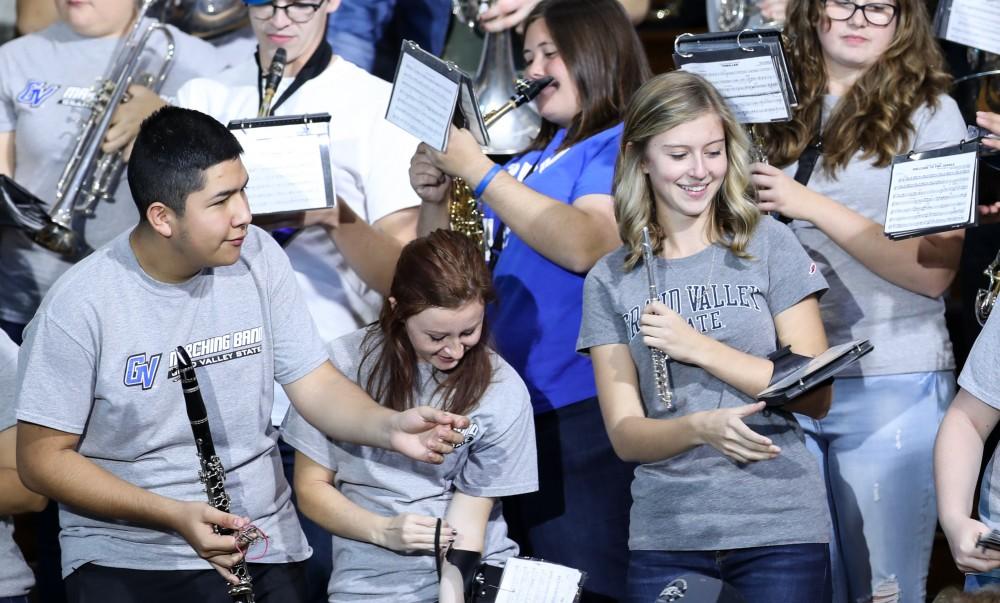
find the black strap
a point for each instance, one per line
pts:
(437, 548)
(809, 157)
(317, 64)
(467, 563)
(807, 163)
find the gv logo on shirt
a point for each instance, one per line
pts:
(35, 93)
(140, 371)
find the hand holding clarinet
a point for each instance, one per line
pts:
(236, 532)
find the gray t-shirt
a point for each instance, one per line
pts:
(979, 378)
(700, 499)
(45, 94)
(498, 461)
(16, 578)
(861, 304)
(98, 360)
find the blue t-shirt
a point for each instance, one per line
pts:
(537, 318)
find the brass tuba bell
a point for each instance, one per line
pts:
(494, 79)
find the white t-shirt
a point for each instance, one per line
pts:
(370, 158)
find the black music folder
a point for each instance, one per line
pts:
(748, 68)
(989, 541)
(933, 191)
(429, 95)
(972, 23)
(795, 375)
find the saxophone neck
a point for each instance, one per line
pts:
(493, 116)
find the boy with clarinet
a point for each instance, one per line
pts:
(101, 422)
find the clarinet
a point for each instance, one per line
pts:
(212, 473)
(659, 357)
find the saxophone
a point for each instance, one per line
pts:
(464, 215)
(213, 474)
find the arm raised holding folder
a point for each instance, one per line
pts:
(860, 95)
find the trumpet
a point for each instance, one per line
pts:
(90, 175)
(986, 298)
(660, 373)
(464, 215)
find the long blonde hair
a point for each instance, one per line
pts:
(662, 103)
(874, 117)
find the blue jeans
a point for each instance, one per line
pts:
(974, 582)
(792, 573)
(13, 599)
(876, 452)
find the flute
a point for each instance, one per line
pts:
(212, 473)
(659, 357)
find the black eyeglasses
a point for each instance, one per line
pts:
(876, 14)
(297, 12)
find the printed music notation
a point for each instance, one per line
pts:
(932, 193)
(423, 101)
(534, 581)
(974, 23)
(288, 167)
(751, 86)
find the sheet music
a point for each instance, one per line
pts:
(975, 23)
(532, 581)
(422, 102)
(932, 192)
(751, 86)
(289, 167)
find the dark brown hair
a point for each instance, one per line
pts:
(445, 269)
(604, 57)
(875, 115)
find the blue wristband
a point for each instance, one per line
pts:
(481, 188)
